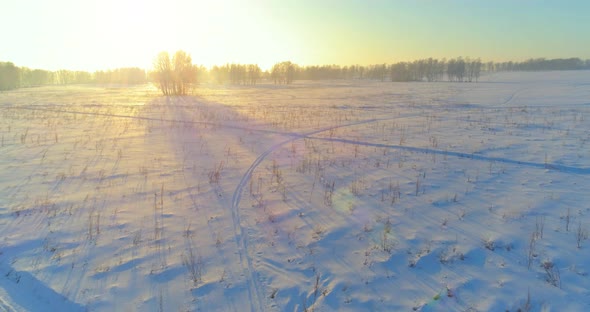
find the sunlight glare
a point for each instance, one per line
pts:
(219, 31)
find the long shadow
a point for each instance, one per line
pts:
(208, 123)
(548, 166)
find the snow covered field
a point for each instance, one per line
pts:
(323, 196)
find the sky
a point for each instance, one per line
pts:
(106, 34)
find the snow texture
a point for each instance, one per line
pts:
(317, 196)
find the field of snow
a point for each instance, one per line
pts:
(318, 196)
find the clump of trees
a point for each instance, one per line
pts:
(236, 74)
(464, 69)
(539, 64)
(12, 77)
(65, 77)
(176, 75)
(428, 70)
(420, 70)
(320, 72)
(9, 76)
(126, 76)
(283, 72)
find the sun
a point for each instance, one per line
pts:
(108, 34)
(213, 32)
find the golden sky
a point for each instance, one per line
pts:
(93, 35)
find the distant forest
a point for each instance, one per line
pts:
(457, 69)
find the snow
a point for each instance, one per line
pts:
(324, 196)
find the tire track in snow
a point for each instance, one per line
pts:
(253, 288)
(513, 95)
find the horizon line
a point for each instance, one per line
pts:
(311, 65)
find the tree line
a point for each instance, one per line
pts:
(541, 64)
(177, 74)
(12, 76)
(236, 74)
(430, 69)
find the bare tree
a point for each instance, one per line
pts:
(283, 73)
(9, 76)
(175, 76)
(184, 72)
(162, 73)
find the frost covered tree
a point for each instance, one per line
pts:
(473, 69)
(174, 76)
(456, 69)
(9, 76)
(126, 76)
(162, 73)
(184, 73)
(283, 73)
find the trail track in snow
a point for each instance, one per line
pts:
(514, 95)
(254, 289)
